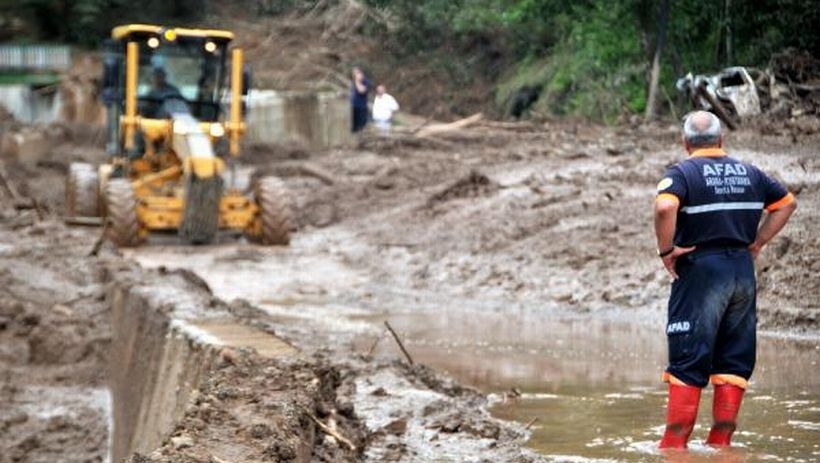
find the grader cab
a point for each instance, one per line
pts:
(175, 120)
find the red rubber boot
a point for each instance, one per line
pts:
(724, 410)
(681, 414)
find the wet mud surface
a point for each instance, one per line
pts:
(519, 263)
(524, 262)
(54, 335)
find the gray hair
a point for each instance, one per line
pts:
(698, 134)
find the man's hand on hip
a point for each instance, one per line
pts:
(670, 259)
(755, 248)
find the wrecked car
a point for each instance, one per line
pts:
(730, 94)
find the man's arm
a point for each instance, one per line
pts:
(666, 217)
(361, 85)
(772, 224)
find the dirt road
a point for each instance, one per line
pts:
(556, 216)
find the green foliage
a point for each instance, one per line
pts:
(592, 56)
(599, 70)
(88, 22)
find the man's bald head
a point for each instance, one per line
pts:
(701, 129)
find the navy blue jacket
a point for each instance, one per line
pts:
(721, 199)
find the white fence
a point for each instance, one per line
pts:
(35, 57)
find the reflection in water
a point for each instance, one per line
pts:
(593, 384)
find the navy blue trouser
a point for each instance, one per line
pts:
(359, 115)
(712, 316)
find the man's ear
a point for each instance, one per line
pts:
(685, 144)
(720, 141)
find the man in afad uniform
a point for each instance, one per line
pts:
(707, 213)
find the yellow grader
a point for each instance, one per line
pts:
(174, 100)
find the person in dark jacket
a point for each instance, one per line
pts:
(359, 89)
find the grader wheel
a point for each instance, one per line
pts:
(274, 211)
(82, 197)
(121, 206)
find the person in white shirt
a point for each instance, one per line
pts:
(384, 105)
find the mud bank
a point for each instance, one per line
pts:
(195, 379)
(54, 339)
(175, 352)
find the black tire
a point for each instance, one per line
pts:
(273, 200)
(82, 191)
(200, 219)
(121, 206)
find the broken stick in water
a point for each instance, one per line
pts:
(530, 423)
(330, 431)
(398, 341)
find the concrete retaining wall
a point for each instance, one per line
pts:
(31, 104)
(317, 120)
(154, 369)
(167, 334)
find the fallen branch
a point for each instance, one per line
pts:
(293, 169)
(449, 127)
(95, 250)
(87, 221)
(398, 341)
(424, 124)
(340, 79)
(530, 423)
(314, 11)
(373, 346)
(312, 170)
(524, 126)
(806, 87)
(38, 208)
(330, 431)
(7, 185)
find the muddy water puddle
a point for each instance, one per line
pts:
(590, 380)
(591, 383)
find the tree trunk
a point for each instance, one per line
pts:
(651, 99)
(728, 20)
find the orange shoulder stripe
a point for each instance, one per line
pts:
(668, 197)
(784, 201)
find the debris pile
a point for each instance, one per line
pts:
(788, 88)
(793, 84)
